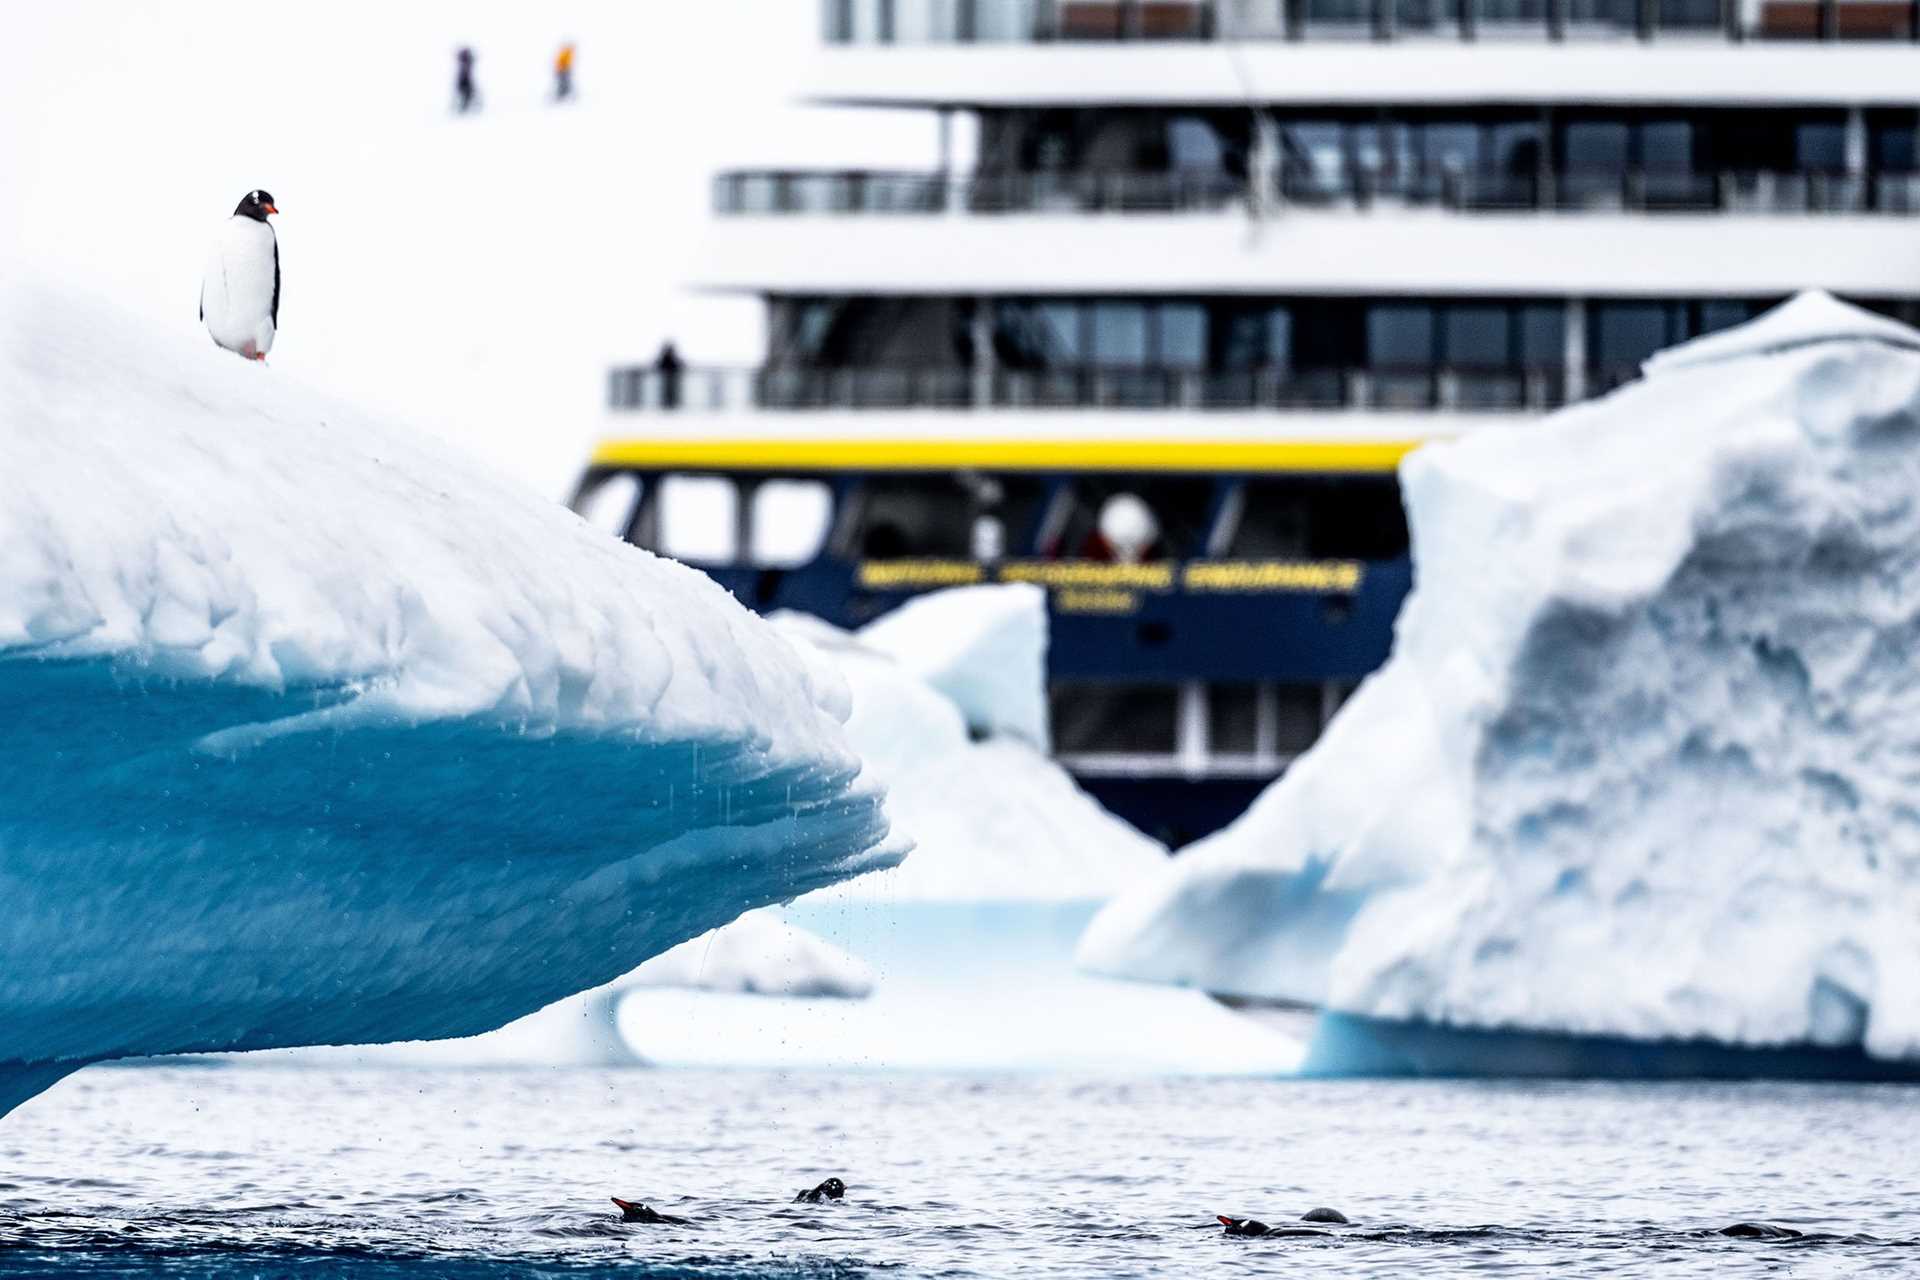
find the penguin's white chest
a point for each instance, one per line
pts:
(236, 298)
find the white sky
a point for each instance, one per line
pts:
(475, 277)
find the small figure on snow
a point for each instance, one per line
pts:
(240, 293)
(563, 73)
(466, 98)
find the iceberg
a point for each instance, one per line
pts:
(312, 732)
(971, 940)
(1643, 770)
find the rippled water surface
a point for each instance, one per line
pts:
(264, 1172)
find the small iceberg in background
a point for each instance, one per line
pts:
(1636, 792)
(311, 732)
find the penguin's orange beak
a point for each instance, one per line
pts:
(271, 209)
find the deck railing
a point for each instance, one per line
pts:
(786, 191)
(883, 22)
(1463, 388)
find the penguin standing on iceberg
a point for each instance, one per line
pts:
(240, 296)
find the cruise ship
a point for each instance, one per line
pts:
(1184, 280)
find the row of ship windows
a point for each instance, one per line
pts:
(965, 21)
(1269, 722)
(1241, 334)
(718, 520)
(1516, 141)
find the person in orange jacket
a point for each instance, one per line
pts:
(563, 73)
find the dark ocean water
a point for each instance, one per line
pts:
(230, 1172)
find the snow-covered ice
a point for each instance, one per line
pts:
(984, 647)
(312, 732)
(1645, 762)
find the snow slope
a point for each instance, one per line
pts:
(312, 732)
(1643, 763)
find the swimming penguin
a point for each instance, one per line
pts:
(631, 1212)
(1323, 1215)
(240, 296)
(1759, 1231)
(1248, 1227)
(831, 1189)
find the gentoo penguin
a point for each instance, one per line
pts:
(240, 296)
(631, 1212)
(1248, 1227)
(831, 1189)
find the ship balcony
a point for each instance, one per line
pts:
(907, 22)
(769, 192)
(1384, 389)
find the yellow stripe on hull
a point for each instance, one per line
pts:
(1008, 455)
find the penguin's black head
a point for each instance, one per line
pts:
(833, 1188)
(256, 205)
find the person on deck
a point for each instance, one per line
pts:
(465, 97)
(563, 73)
(666, 369)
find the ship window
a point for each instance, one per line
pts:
(610, 504)
(1543, 335)
(1399, 334)
(1233, 719)
(1119, 334)
(1113, 719)
(1037, 335)
(939, 517)
(1004, 19)
(699, 519)
(1252, 337)
(1596, 147)
(1192, 144)
(1895, 142)
(1477, 336)
(1183, 335)
(791, 519)
(1820, 146)
(1666, 146)
(1451, 147)
(1298, 722)
(1626, 333)
(1320, 518)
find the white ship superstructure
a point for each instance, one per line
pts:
(1233, 258)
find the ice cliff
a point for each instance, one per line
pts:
(311, 732)
(1645, 762)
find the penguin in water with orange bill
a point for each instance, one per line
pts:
(632, 1212)
(240, 294)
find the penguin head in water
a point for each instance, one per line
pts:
(831, 1189)
(256, 205)
(1243, 1226)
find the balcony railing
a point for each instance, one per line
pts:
(1040, 21)
(1465, 388)
(770, 191)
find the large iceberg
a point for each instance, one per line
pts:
(311, 732)
(1644, 766)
